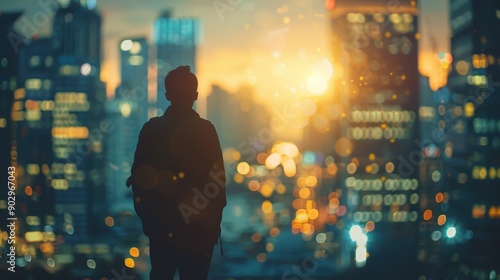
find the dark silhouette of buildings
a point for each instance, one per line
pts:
(77, 134)
(472, 148)
(235, 115)
(34, 103)
(8, 83)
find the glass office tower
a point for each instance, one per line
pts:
(375, 44)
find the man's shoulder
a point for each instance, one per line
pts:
(196, 121)
(152, 122)
(203, 121)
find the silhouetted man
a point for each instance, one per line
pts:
(178, 181)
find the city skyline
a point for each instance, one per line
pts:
(239, 37)
(344, 159)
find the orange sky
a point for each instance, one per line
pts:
(271, 45)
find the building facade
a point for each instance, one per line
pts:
(175, 41)
(127, 112)
(376, 45)
(78, 130)
(472, 152)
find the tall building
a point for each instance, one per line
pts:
(376, 45)
(175, 41)
(8, 84)
(77, 133)
(134, 57)
(77, 30)
(434, 196)
(236, 116)
(34, 102)
(225, 112)
(472, 154)
(128, 112)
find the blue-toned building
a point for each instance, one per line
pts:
(8, 84)
(34, 104)
(78, 124)
(472, 150)
(127, 113)
(175, 41)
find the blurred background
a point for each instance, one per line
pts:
(361, 138)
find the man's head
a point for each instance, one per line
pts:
(181, 86)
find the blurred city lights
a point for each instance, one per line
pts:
(291, 181)
(91, 264)
(134, 252)
(85, 69)
(130, 263)
(355, 233)
(361, 256)
(126, 45)
(451, 232)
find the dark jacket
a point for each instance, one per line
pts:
(178, 178)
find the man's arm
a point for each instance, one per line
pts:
(217, 172)
(143, 157)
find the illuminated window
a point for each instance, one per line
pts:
(136, 47)
(76, 132)
(477, 80)
(492, 173)
(494, 212)
(478, 211)
(69, 70)
(33, 220)
(33, 236)
(135, 60)
(35, 61)
(469, 109)
(427, 214)
(49, 61)
(33, 84)
(60, 184)
(47, 105)
(33, 169)
(33, 115)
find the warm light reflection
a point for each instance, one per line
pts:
(134, 252)
(427, 214)
(130, 263)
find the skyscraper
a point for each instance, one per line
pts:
(175, 40)
(376, 45)
(8, 83)
(472, 152)
(77, 30)
(225, 111)
(127, 112)
(434, 197)
(134, 57)
(34, 103)
(78, 132)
